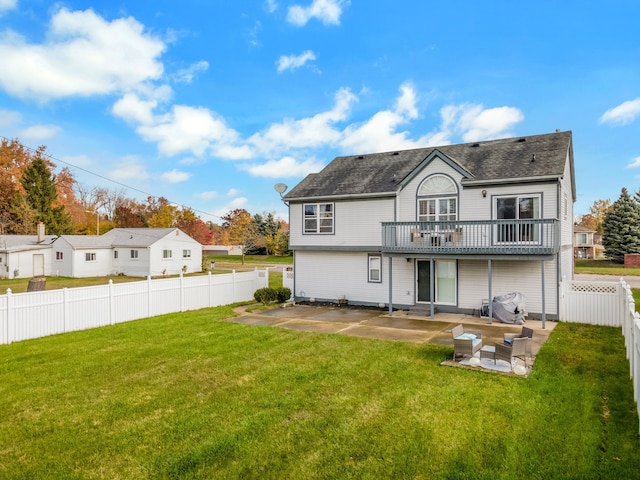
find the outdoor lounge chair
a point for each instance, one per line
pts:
(465, 343)
(520, 347)
(525, 333)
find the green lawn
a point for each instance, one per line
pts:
(604, 267)
(191, 396)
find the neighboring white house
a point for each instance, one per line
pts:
(441, 227)
(127, 251)
(25, 256)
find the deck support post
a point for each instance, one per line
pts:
(390, 285)
(490, 276)
(432, 288)
(544, 310)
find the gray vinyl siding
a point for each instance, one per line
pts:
(508, 276)
(332, 275)
(356, 223)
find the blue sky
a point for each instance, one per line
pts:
(211, 102)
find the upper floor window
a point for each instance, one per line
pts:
(318, 218)
(521, 207)
(442, 204)
(582, 238)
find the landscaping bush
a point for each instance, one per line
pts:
(283, 294)
(265, 295)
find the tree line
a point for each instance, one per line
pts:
(30, 192)
(618, 223)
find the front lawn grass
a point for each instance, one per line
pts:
(190, 396)
(604, 267)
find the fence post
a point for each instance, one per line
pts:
(209, 290)
(65, 309)
(9, 305)
(181, 292)
(233, 279)
(111, 302)
(148, 295)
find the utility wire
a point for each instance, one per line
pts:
(52, 158)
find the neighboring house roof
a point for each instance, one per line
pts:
(16, 243)
(581, 229)
(123, 237)
(531, 158)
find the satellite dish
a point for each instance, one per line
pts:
(280, 188)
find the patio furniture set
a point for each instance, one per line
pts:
(515, 345)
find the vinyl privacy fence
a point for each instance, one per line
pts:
(607, 304)
(37, 314)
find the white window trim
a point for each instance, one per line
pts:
(186, 253)
(133, 254)
(370, 269)
(164, 252)
(90, 257)
(59, 256)
(318, 219)
(537, 227)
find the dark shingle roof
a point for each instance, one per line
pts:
(493, 160)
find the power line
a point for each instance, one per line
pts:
(51, 157)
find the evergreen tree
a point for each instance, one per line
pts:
(40, 188)
(622, 228)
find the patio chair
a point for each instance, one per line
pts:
(525, 333)
(520, 347)
(465, 343)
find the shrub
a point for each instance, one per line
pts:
(265, 295)
(283, 294)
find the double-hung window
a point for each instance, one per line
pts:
(186, 253)
(515, 210)
(375, 268)
(167, 254)
(134, 254)
(318, 218)
(89, 257)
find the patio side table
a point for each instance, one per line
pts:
(488, 351)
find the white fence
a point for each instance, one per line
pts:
(607, 304)
(37, 314)
(594, 303)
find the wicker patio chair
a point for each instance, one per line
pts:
(465, 343)
(525, 333)
(520, 347)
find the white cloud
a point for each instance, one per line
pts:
(327, 11)
(635, 163)
(285, 167)
(82, 55)
(379, 133)
(9, 118)
(624, 113)
(293, 62)
(206, 195)
(128, 168)
(39, 132)
(6, 5)
(271, 5)
(307, 132)
(239, 202)
(186, 75)
(232, 192)
(474, 122)
(175, 176)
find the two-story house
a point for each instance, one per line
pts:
(584, 245)
(444, 227)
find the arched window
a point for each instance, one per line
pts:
(441, 202)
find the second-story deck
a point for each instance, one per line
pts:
(472, 237)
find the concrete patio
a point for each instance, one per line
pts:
(378, 324)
